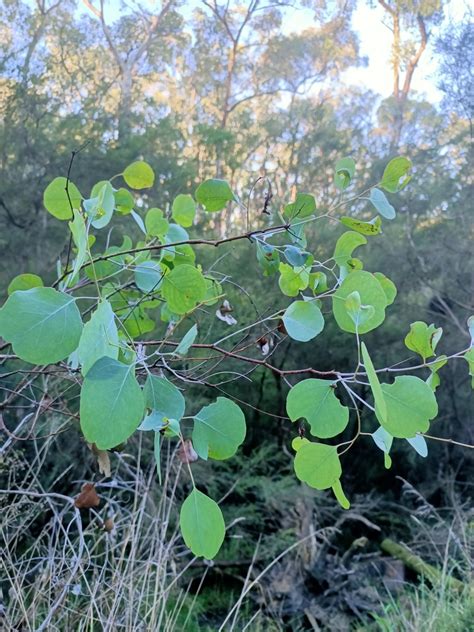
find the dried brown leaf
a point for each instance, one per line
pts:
(88, 497)
(186, 452)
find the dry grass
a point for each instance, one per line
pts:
(65, 568)
(62, 570)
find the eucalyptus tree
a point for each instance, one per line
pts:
(140, 42)
(409, 21)
(455, 48)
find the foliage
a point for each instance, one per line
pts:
(144, 293)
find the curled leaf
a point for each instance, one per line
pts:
(88, 497)
(224, 313)
(186, 452)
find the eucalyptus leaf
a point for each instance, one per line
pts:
(410, 405)
(183, 210)
(112, 403)
(419, 444)
(183, 288)
(423, 339)
(345, 169)
(24, 282)
(187, 340)
(318, 465)
(388, 287)
(155, 223)
(79, 234)
(214, 194)
(345, 246)
(202, 525)
(293, 280)
(124, 201)
(374, 383)
(303, 320)
(139, 175)
(373, 227)
(316, 401)
(396, 175)
(340, 496)
(148, 276)
(164, 400)
(382, 439)
(382, 205)
(370, 292)
(295, 256)
(219, 429)
(57, 201)
(303, 206)
(103, 209)
(43, 325)
(99, 337)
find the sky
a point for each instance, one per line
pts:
(375, 44)
(374, 41)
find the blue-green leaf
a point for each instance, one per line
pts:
(44, 326)
(303, 320)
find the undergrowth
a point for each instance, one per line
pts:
(292, 559)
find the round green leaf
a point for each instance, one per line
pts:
(184, 254)
(345, 169)
(124, 201)
(423, 339)
(371, 293)
(316, 401)
(381, 203)
(101, 212)
(44, 326)
(139, 175)
(292, 280)
(202, 525)
(24, 282)
(183, 210)
(219, 429)
(183, 288)
(396, 176)
(56, 201)
(411, 404)
(138, 323)
(318, 465)
(148, 276)
(156, 225)
(303, 206)
(214, 194)
(303, 320)
(112, 403)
